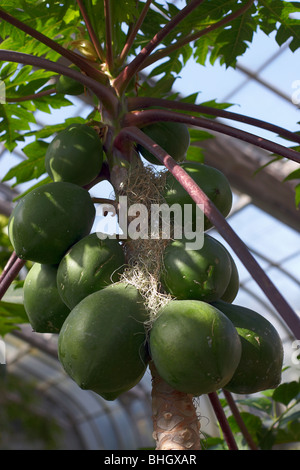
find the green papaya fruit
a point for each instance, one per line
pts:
(48, 220)
(212, 182)
(201, 274)
(45, 309)
(234, 283)
(173, 137)
(90, 265)
(75, 155)
(102, 343)
(69, 86)
(262, 351)
(194, 347)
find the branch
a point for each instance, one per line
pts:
(105, 95)
(219, 412)
(13, 257)
(15, 265)
(133, 33)
(71, 56)
(214, 215)
(105, 201)
(141, 118)
(127, 74)
(135, 103)
(165, 52)
(108, 34)
(31, 97)
(236, 414)
(91, 32)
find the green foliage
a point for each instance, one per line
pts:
(272, 418)
(17, 118)
(295, 175)
(63, 23)
(57, 22)
(33, 166)
(11, 315)
(21, 416)
(278, 16)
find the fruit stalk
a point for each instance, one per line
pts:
(138, 103)
(108, 35)
(134, 66)
(141, 118)
(175, 422)
(10, 273)
(133, 33)
(235, 412)
(91, 31)
(219, 412)
(105, 95)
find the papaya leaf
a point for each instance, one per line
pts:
(234, 40)
(291, 432)
(195, 154)
(297, 195)
(253, 424)
(266, 438)
(170, 66)
(14, 118)
(50, 130)
(37, 185)
(213, 443)
(196, 135)
(287, 392)
(290, 416)
(190, 98)
(48, 19)
(31, 168)
(265, 165)
(160, 88)
(277, 15)
(11, 315)
(203, 48)
(261, 403)
(293, 175)
(215, 104)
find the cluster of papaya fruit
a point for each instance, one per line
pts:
(199, 341)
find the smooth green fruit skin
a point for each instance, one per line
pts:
(173, 137)
(262, 351)
(201, 274)
(102, 344)
(49, 220)
(194, 346)
(45, 309)
(75, 155)
(69, 86)
(234, 283)
(90, 265)
(212, 182)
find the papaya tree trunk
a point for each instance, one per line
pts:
(176, 425)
